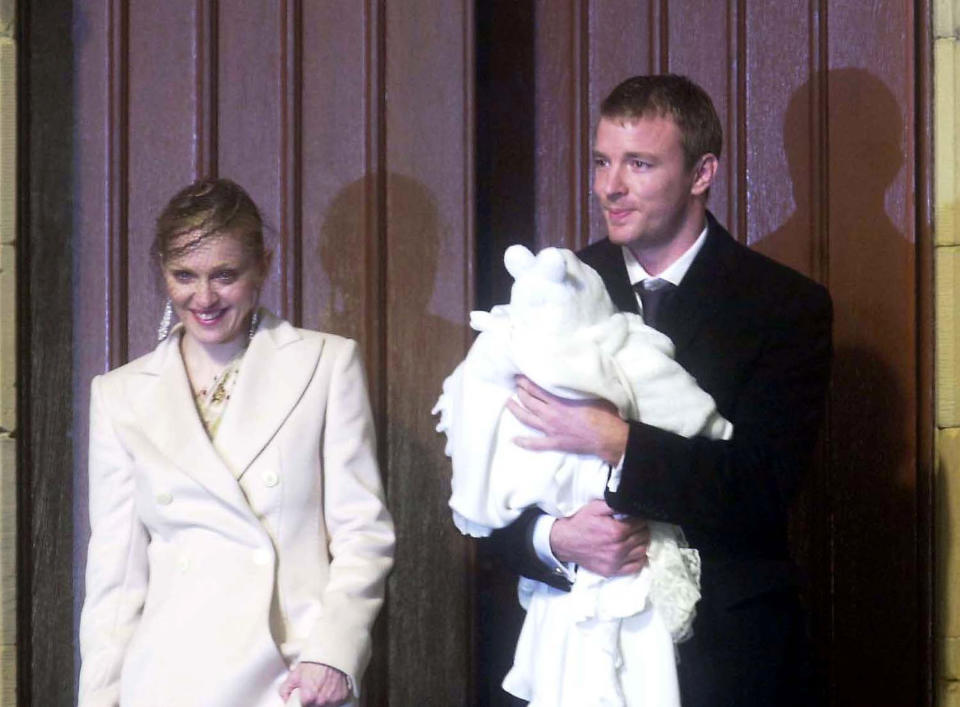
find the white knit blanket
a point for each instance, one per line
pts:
(608, 641)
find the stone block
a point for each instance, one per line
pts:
(947, 531)
(948, 694)
(8, 339)
(946, 116)
(8, 140)
(8, 16)
(8, 541)
(8, 676)
(947, 275)
(949, 659)
(8, 571)
(946, 18)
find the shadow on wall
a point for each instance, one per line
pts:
(855, 523)
(388, 292)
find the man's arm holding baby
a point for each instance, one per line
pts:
(593, 537)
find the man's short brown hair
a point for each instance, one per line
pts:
(673, 96)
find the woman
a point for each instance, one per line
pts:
(239, 539)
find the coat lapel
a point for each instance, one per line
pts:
(163, 403)
(275, 372)
(607, 259)
(695, 300)
(700, 293)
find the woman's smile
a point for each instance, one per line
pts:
(214, 289)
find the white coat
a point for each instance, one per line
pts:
(202, 590)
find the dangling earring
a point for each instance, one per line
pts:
(254, 323)
(164, 327)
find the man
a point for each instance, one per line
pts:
(756, 336)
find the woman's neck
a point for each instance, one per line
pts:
(204, 361)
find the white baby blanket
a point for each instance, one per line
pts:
(608, 641)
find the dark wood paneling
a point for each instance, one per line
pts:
(872, 266)
(44, 355)
(429, 293)
(783, 114)
(155, 79)
(561, 123)
(704, 43)
(352, 126)
(251, 127)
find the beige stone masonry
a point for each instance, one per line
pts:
(946, 119)
(946, 61)
(948, 549)
(8, 226)
(8, 572)
(7, 17)
(947, 274)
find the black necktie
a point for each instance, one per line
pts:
(652, 292)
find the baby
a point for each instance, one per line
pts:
(607, 641)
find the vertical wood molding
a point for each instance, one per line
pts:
(560, 87)
(659, 61)
(8, 354)
(579, 234)
(291, 207)
(205, 127)
(428, 239)
(46, 347)
(117, 179)
(737, 212)
(819, 113)
(374, 197)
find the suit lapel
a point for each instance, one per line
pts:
(607, 259)
(274, 374)
(696, 299)
(163, 403)
(700, 293)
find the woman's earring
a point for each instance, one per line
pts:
(254, 323)
(164, 327)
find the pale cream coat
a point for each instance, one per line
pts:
(205, 591)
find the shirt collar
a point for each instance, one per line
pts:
(674, 273)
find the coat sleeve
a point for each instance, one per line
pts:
(359, 526)
(741, 487)
(116, 574)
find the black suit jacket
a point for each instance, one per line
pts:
(757, 337)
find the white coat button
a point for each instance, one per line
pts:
(164, 499)
(270, 479)
(261, 558)
(183, 563)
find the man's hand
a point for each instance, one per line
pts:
(594, 539)
(577, 426)
(319, 685)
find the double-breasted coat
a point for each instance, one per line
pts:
(213, 567)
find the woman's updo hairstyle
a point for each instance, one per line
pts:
(206, 209)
